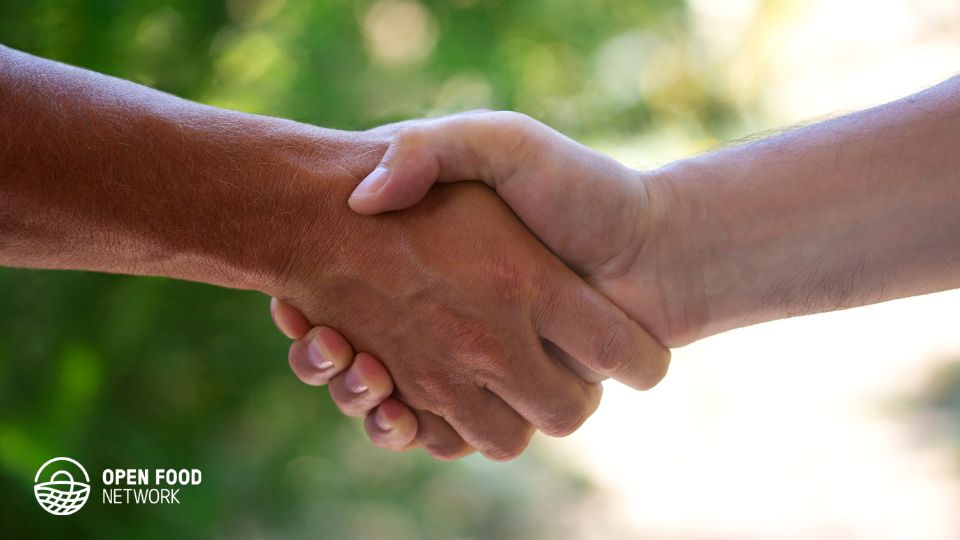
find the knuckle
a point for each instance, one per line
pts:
(467, 337)
(446, 449)
(507, 276)
(502, 454)
(511, 447)
(613, 349)
(520, 130)
(408, 137)
(565, 417)
(472, 339)
(439, 439)
(545, 301)
(448, 456)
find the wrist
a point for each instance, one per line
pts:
(669, 266)
(274, 186)
(717, 245)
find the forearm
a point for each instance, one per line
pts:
(848, 212)
(103, 174)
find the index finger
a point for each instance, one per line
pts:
(597, 334)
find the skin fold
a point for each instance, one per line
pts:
(852, 211)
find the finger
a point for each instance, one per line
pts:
(594, 332)
(546, 393)
(408, 169)
(491, 426)
(392, 425)
(567, 361)
(438, 438)
(363, 386)
(319, 356)
(478, 146)
(288, 319)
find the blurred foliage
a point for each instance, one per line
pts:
(134, 372)
(944, 395)
(587, 68)
(938, 406)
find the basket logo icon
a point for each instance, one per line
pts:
(60, 493)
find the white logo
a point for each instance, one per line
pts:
(60, 494)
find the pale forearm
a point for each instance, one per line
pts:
(102, 174)
(848, 212)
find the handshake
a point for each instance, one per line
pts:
(479, 314)
(483, 334)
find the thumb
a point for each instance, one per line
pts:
(408, 169)
(477, 146)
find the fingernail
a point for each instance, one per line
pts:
(353, 383)
(317, 355)
(380, 419)
(371, 183)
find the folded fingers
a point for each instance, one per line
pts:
(320, 355)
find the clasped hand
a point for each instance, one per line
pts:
(494, 336)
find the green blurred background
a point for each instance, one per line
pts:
(132, 372)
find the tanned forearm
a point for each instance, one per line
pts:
(852, 211)
(98, 173)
